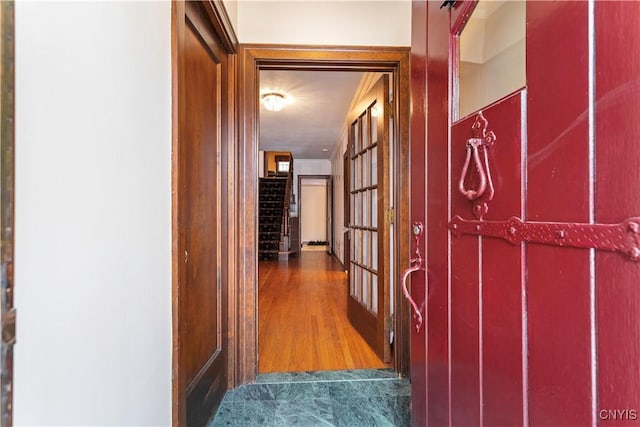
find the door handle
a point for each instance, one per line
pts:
(472, 151)
(415, 264)
(482, 138)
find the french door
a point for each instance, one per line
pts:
(532, 230)
(368, 301)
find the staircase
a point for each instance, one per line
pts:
(273, 236)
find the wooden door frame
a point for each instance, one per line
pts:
(329, 179)
(346, 208)
(213, 15)
(252, 59)
(7, 212)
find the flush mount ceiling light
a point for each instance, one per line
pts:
(273, 101)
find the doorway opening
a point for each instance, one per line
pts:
(296, 217)
(315, 214)
(253, 60)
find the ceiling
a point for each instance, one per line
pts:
(485, 8)
(314, 119)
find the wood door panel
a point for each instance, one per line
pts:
(201, 299)
(465, 332)
(557, 145)
(558, 337)
(7, 210)
(364, 322)
(437, 216)
(557, 190)
(486, 319)
(465, 327)
(617, 132)
(418, 349)
(505, 119)
(503, 283)
(204, 112)
(503, 294)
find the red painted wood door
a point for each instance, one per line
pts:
(529, 334)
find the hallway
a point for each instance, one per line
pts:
(302, 322)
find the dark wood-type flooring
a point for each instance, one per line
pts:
(302, 321)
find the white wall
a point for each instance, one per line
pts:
(313, 199)
(307, 167)
(322, 22)
(492, 57)
(260, 164)
(93, 205)
(337, 172)
(337, 166)
(231, 7)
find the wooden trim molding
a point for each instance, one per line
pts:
(222, 24)
(252, 59)
(178, 389)
(7, 207)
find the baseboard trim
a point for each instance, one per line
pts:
(339, 262)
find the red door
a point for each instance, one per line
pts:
(532, 307)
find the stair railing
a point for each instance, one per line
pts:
(287, 202)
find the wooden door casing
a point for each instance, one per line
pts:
(7, 178)
(251, 60)
(202, 226)
(530, 334)
(346, 201)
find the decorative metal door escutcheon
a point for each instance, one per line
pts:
(623, 238)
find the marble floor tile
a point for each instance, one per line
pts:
(249, 414)
(372, 411)
(310, 399)
(252, 392)
(307, 413)
(359, 374)
(379, 388)
(302, 391)
(286, 377)
(345, 375)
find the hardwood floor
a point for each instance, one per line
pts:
(302, 318)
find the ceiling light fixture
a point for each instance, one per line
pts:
(273, 101)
